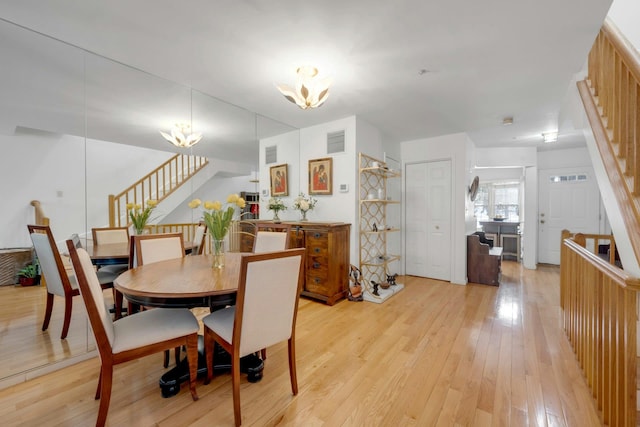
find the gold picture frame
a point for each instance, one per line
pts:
(321, 176)
(279, 180)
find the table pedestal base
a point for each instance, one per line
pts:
(170, 382)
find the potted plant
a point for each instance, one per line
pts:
(28, 275)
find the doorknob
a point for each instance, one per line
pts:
(542, 221)
(437, 227)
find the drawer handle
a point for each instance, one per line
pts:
(316, 280)
(316, 265)
(316, 235)
(316, 250)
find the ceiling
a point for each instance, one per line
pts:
(484, 60)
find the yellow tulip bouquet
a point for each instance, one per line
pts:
(218, 220)
(139, 217)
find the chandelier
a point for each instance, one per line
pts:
(181, 136)
(310, 91)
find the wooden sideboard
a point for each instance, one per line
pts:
(327, 260)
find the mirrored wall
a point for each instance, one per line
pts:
(74, 128)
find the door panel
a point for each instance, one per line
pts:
(415, 224)
(571, 202)
(428, 220)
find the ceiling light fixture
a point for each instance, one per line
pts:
(310, 91)
(549, 137)
(507, 121)
(181, 136)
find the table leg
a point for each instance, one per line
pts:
(170, 381)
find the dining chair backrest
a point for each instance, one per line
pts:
(109, 235)
(267, 300)
(50, 261)
(151, 248)
(93, 298)
(198, 240)
(271, 237)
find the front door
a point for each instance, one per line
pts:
(428, 219)
(568, 199)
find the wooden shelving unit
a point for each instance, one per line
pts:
(252, 206)
(373, 228)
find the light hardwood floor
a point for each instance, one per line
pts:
(434, 354)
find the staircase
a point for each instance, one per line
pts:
(599, 300)
(611, 96)
(156, 185)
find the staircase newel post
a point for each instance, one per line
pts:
(112, 211)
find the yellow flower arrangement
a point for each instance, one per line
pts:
(139, 217)
(216, 216)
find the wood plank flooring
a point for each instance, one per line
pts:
(435, 354)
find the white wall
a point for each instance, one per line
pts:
(568, 158)
(506, 157)
(338, 207)
(454, 147)
(296, 149)
(52, 170)
(625, 13)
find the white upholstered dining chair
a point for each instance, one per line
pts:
(109, 235)
(58, 281)
(150, 248)
(198, 239)
(265, 314)
(133, 336)
(271, 237)
(106, 236)
(106, 276)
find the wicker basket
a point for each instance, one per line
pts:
(11, 261)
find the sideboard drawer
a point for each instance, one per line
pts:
(316, 237)
(317, 265)
(316, 250)
(316, 284)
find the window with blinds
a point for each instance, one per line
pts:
(498, 200)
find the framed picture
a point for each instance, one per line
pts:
(321, 176)
(279, 180)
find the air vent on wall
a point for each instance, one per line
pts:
(335, 142)
(271, 154)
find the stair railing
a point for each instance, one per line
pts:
(599, 303)
(611, 96)
(157, 185)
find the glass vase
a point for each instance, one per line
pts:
(217, 249)
(304, 215)
(276, 218)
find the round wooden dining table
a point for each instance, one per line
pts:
(188, 282)
(185, 282)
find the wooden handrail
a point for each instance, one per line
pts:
(599, 303)
(594, 241)
(157, 184)
(611, 97)
(40, 217)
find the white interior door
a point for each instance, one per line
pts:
(568, 199)
(428, 219)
